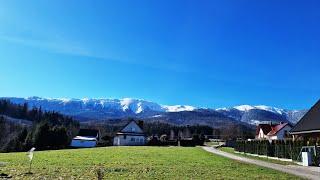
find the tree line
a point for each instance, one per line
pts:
(48, 130)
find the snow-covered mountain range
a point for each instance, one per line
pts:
(261, 107)
(256, 114)
(102, 109)
(131, 105)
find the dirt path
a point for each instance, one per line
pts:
(304, 172)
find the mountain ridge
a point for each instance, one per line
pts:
(104, 108)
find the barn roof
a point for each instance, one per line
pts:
(310, 122)
(85, 138)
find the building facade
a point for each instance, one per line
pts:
(131, 135)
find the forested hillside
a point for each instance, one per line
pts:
(46, 130)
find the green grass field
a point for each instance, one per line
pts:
(231, 150)
(133, 163)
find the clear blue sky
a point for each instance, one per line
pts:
(201, 53)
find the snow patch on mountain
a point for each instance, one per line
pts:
(178, 108)
(271, 109)
(246, 108)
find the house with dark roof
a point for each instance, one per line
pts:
(309, 124)
(262, 130)
(273, 131)
(86, 138)
(130, 135)
(279, 131)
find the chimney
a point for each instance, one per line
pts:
(140, 124)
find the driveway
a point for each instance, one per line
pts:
(301, 171)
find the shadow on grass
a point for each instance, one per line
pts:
(5, 176)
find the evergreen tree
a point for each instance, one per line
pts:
(41, 136)
(59, 137)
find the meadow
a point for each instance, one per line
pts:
(132, 163)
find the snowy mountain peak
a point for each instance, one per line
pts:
(246, 108)
(139, 106)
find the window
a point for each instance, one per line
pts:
(125, 137)
(133, 129)
(132, 139)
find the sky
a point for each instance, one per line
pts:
(206, 53)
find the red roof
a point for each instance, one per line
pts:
(277, 128)
(271, 129)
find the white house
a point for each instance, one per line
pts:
(262, 131)
(86, 138)
(280, 131)
(273, 131)
(131, 135)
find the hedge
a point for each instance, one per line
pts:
(278, 148)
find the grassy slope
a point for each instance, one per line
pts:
(134, 163)
(231, 150)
